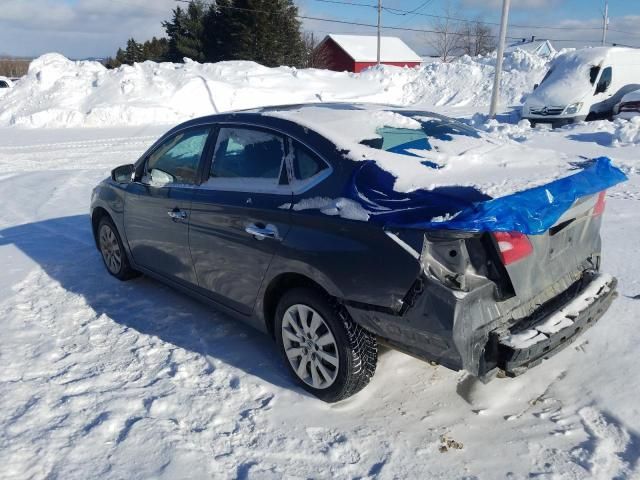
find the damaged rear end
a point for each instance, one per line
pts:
(488, 301)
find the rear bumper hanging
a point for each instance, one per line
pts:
(526, 344)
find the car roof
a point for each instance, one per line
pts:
(323, 118)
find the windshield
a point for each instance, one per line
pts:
(546, 76)
(593, 74)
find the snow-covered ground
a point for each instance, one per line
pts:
(132, 380)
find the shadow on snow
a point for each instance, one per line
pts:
(65, 250)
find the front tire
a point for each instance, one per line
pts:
(112, 251)
(328, 354)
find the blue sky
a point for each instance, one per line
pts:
(83, 28)
(577, 20)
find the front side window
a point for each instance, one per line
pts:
(605, 80)
(176, 160)
(246, 154)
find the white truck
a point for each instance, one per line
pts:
(584, 84)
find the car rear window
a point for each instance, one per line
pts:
(403, 140)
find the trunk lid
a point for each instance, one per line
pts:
(565, 250)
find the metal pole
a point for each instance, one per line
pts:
(379, 18)
(605, 23)
(495, 95)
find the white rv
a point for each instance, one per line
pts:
(584, 83)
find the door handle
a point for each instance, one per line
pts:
(260, 233)
(177, 214)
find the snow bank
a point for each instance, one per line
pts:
(58, 92)
(627, 132)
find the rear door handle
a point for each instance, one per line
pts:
(260, 233)
(177, 214)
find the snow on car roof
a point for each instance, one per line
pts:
(494, 166)
(363, 48)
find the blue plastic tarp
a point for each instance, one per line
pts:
(531, 211)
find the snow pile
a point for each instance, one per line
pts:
(343, 207)
(469, 80)
(58, 92)
(513, 131)
(627, 132)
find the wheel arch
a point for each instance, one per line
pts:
(278, 286)
(96, 215)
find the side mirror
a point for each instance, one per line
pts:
(123, 173)
(536, 86)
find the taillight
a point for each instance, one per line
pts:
(598, 209)
(513, 246)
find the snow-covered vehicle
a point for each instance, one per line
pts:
(584, 84)
(334, 227)
(629, 106)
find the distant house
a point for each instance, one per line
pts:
(543, 48)
(354, 53)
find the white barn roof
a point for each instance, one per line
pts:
(363, 48)
(541, 47)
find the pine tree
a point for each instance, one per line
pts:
(173, 28)
(133, 52)
(265, 31)
(186, 32)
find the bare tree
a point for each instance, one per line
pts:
(14, 67)
(477, 39)
(446, 41)
(315, 55)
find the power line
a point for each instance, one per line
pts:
(413, 13)
(370, 25)
(398, 11)
(342, 22)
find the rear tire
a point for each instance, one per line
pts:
(327, 353)
(112, 251)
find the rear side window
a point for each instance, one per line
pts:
(3, 84)
(247, 153)
(177, 159)
(306, 164)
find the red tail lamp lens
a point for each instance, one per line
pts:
(513, 246)
(599, 208)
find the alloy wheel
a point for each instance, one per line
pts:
(310, 346)
(110, 249)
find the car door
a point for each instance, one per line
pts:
(239, 215)
(158, 204)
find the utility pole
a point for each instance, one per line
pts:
(379, 19)
(605, 23)
(495, 95)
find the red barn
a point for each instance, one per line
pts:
(354, 53)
